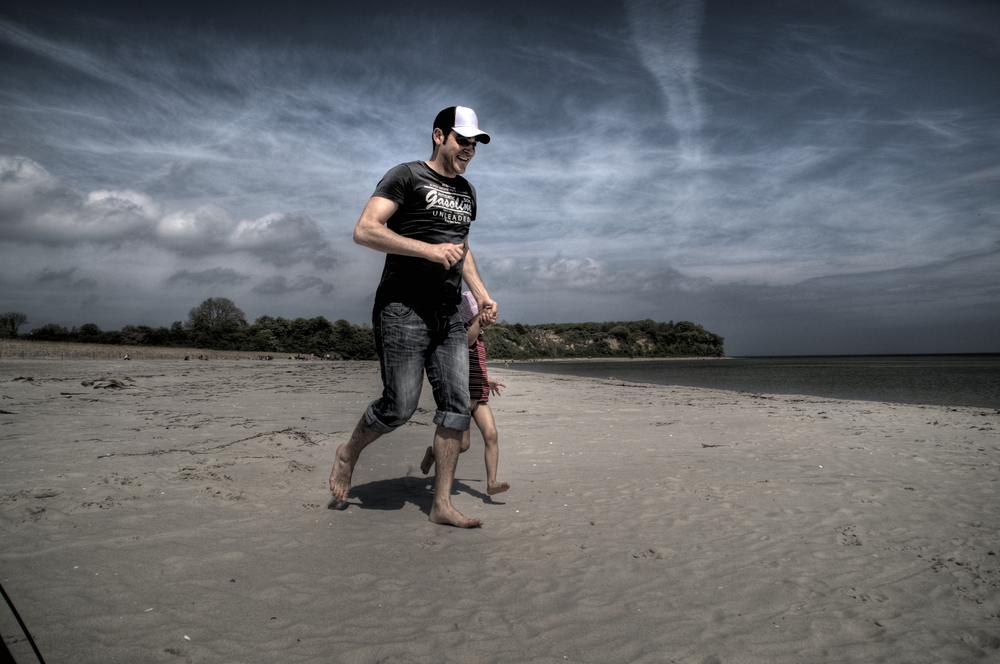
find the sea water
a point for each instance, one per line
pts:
(942, 380)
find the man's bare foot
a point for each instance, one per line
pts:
(496, 487)
(340, 476)
(452, 517)
(425, 465)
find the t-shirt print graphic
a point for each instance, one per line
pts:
(449, 205)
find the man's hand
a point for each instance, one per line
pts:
(489, 309)
(446, 254)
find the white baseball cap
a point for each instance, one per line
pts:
(464, 121)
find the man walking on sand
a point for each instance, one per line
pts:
(419, 216)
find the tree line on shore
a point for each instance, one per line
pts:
(218, 324)
(644, 338)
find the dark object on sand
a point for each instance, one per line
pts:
(24, 629)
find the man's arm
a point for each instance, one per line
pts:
(471, 276)
(371, 231)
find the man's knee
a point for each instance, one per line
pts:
(384, 415)
(451, 420)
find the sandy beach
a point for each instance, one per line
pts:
(172, 511)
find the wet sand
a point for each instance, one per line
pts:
(173, 511)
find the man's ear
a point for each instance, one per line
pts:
(438, 136)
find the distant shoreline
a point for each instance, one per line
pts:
(952, 380)
(608, 359)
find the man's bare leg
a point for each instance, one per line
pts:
(447, 447)
(484, 420)
(346, 457)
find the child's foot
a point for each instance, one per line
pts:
(425, 465)
(496, 487)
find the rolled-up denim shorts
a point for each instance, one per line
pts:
(408, 344)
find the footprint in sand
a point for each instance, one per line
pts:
(647, 553)
(848, 537)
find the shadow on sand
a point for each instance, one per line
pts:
(394, 493)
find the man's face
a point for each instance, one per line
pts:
(456, 152)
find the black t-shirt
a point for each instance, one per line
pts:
(433, 209)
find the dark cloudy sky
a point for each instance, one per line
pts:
(799, 177)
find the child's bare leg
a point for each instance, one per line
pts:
(428, 461)
(484, 420)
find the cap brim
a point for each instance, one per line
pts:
(473, 132)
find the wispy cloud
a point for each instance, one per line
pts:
(278, 285)
(225, 276)
(66, 55)
(962, 19)
(666, 36)
(64, 278)
(50, 275)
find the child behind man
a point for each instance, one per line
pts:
(480, 388)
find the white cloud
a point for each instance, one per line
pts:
(36, 207)
(205, 229)
(584, 275)
(118, 202)
(284, 239)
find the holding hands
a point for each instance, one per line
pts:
(488, 313)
